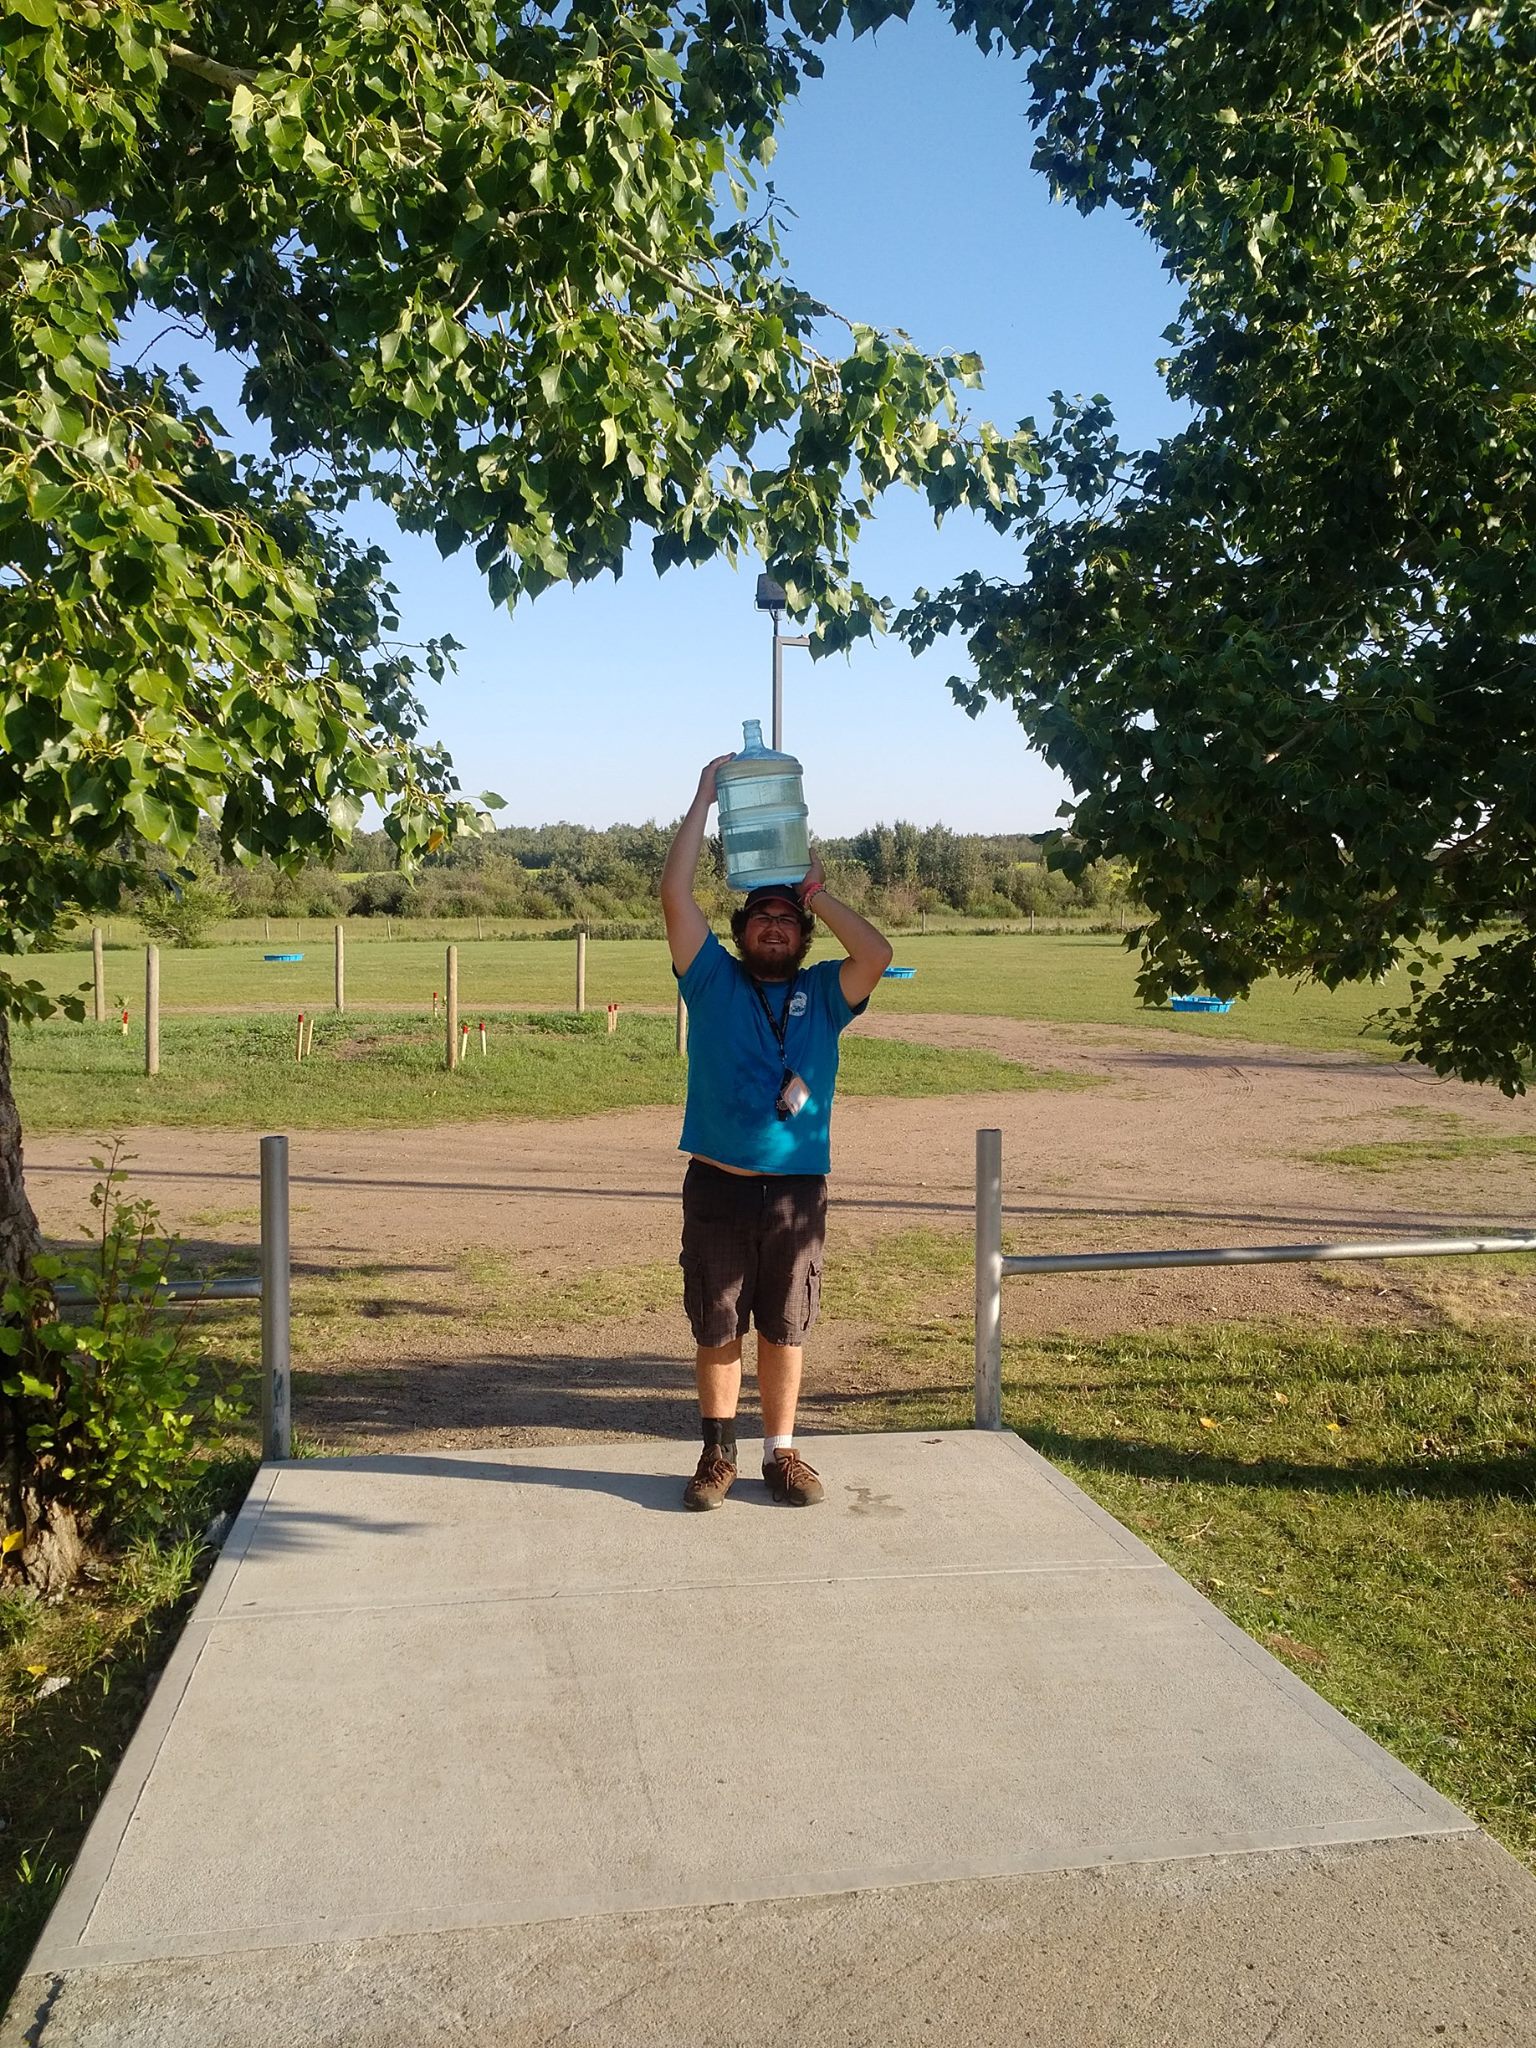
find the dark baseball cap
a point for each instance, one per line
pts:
(771, 892)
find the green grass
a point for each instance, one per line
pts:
(107, 1638)
(1401, 1155)
(387, 1071)
(1061, 978)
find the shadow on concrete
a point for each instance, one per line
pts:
(285, 1526)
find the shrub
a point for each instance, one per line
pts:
(381, 895)
(109, 1412)
(181, 910)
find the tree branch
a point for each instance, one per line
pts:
(223, 76)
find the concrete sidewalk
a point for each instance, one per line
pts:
(507, 1748)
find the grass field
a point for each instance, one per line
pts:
(384, 1071)
(277, 933)
(1060, 978)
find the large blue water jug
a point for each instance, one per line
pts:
(762, 814)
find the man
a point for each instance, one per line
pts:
(763, 1045)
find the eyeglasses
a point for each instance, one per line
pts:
(774, 917)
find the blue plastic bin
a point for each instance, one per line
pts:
(1220, 1003)
(898, 974)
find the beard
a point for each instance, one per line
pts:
(777, 962)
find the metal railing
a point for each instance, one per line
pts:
(993, 1265)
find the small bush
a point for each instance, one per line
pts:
(381, 896)
(181, 913)
(107, 1413)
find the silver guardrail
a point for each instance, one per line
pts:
(993, 1265)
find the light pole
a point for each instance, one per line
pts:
(770, 598)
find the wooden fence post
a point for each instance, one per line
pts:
(453, 1008)
(151, 1009)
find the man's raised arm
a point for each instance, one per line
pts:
(869, 951)
(687, 926)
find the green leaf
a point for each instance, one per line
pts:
(344, 810)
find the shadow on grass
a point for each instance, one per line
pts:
(497, 1399)
(1508, 1478)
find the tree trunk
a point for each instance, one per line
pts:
(18, 1225)
(18, 1243)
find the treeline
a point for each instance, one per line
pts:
(565, 874)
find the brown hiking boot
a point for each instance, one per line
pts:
(712, 1482)
(788, 1477)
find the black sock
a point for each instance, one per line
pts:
(720, 1435)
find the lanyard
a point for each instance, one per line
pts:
(779, 1025)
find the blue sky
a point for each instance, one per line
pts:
(907, 168)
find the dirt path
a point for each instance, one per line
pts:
(1176, 1145)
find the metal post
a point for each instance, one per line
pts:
(989, 1279)
(780, 642)
(581, 971)
(99, 974)
(778, 688)
(276, 1334)
(341, 970)
(682, 1025)
(453, 1008)
(151, 1009)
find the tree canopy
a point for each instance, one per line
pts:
(473, 264)
(1286, 657)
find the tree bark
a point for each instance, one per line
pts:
(18, 1225)
(55, 1544)
(224, 77)
(18, 1243)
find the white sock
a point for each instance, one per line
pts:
(772, 1445)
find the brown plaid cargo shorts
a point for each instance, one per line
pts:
(752, 1250)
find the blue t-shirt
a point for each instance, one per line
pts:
(735, 1068)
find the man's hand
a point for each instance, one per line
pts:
(707, 779)
(815, 876)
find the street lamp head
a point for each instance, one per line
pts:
(770, 595)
